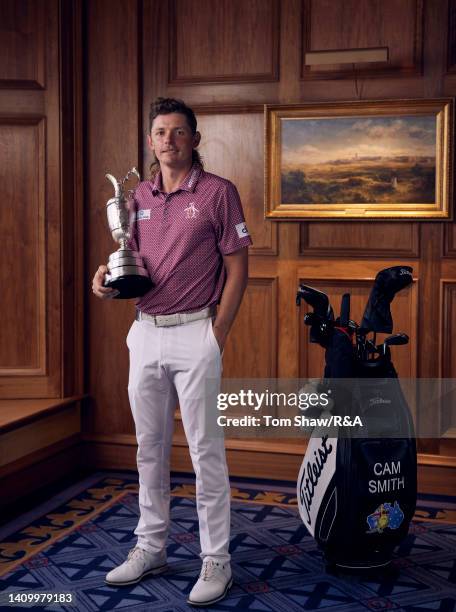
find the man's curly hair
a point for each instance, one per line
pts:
(165, 106)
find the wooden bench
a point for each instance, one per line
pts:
(39, 443)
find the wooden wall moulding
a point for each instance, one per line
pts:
(448, 328)
(404, 310)
(451, 37)
(363, 24)
(223, 154)
(23, 35)
(228, 41)
(251, 349)
(73, 197)
(23, 349)
(449, 240)
(447, 357)
(359, 239)
(118, 127)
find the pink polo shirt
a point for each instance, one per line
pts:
(182, 236)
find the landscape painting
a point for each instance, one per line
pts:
(358, 160)
(359, 163)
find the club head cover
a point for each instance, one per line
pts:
(317, 300)
(377, 315)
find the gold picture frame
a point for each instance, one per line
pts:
(360, 160)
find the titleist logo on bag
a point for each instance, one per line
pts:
(315, 475)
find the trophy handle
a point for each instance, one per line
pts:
(134, 171)
(118, 185)
(115, 183)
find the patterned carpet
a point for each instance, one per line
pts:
(68, 544)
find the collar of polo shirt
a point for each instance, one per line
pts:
(188, 184)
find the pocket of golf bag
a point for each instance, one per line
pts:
(376, 484)
(359, 502)
(385, 496)
(383, 467)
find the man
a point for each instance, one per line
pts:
(191, 233)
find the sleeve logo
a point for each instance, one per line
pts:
(242, 230)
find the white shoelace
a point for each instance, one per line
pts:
(137, 552)
(209, 569)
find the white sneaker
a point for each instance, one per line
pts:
(213, 584)
(138, 564)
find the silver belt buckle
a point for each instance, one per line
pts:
(165, 320)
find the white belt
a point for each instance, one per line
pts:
(179, 318)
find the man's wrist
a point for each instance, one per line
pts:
(221, 328)
(220, 333)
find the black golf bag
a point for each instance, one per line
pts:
(357, 484)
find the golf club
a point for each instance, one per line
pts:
(395, 340)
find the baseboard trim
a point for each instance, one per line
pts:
(272, 459)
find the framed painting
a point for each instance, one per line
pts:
(356, 160)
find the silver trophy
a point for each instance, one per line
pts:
(126, 270)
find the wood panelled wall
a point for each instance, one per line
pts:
(41, 270)
(227, 58)
(30, 348)
(40, 213)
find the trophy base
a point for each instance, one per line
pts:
(130, 286)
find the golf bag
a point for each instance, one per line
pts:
(357, 485)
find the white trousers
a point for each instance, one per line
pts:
(169, 364)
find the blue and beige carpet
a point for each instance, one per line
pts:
(68, 544)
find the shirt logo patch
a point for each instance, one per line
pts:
(142, 214)
(242, 230)
(191, 212)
